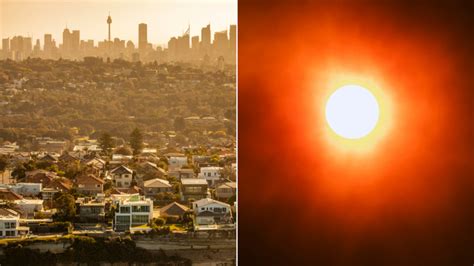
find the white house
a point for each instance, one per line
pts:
(29, 206)
(122, 176)
(132, 210)
(209, 211)
(177, 162)
(27, 189)
(211, 174)
(10, 225)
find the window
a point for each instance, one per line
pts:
(1, 233)
(119, 184)
(98, 186)
(209, 174)
(123, 219)
(193, 189)
(140, 208)
(202, 208)
(12, 225)
(126, 183)
(124, 209)
(9, 233)
(139, 219)
(219, 210)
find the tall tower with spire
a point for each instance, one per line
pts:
(109, 21)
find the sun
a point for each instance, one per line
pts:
(352, 112)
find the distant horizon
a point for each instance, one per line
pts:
(163, 45)
(126, 15)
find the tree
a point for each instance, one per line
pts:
(19, 172)
(136, 141)
(106, 143)
(3, 163)
(123, 150)
(228, 172)
(66, 207)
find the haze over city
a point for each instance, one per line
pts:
(164, 18)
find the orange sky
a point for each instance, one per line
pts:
(165, 18)
(419, 178)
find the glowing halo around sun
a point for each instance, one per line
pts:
(360, 131)
(352, 112)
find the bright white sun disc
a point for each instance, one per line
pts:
(352, 112)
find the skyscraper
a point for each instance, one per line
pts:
(183, 45)
(233, 43)
(21, 47)
(48, 43)
(75, 40)
(109, 21)
(66, 40)
(221, 43)
(6, 44)
(37, 47)
(233, 38)
(142, 37)
(206, 39)
(27, 45)
(195, 42)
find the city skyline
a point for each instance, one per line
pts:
(164, 19)
(199, 49)
(109, 35)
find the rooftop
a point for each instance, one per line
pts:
(193, 181)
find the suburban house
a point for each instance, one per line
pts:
(89, 184)
(149, 169)
(173, 210)
(47, 194)
(6, 176)
(226, 190)
(27, 189)
(154, 186)
(50, 145)
(194, 188)
(21, 157)
(10, 225)
(181, 173)
(203, 161)
(29, 207)
(122, 176)
(95, 166)
(90, 210)
(37, 176)
(7, 194)
(49, 180)
(61, 184)
(211, 174)
(177, 162)
(210, 211)
(67, 158)
(126, 190)
(132, 210)
(49, 158)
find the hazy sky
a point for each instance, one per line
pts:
(165, 18)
